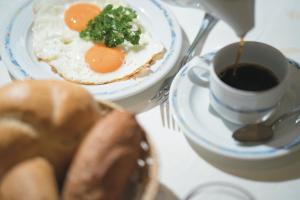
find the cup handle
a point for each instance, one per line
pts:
(200, 74)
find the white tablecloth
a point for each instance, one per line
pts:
(181, 169)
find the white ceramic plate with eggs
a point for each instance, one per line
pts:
(22, 63)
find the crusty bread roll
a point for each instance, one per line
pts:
(33, 179)
(43, 118)
(106, 161)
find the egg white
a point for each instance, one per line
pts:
(64, 50)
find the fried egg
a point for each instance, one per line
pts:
(56, 41)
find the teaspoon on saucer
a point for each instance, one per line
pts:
(261, 132)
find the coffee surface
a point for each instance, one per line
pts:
(249, 77)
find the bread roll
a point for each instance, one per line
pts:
(32, 179)
(43, 118)
(106, 160)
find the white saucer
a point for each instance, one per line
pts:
(202, 125)
(16, 48)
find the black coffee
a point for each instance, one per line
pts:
(250, 77)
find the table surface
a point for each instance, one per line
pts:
(181, 169)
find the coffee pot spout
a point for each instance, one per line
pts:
(239, 14)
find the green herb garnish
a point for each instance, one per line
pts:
(113, 26)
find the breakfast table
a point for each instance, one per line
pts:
(181, 169)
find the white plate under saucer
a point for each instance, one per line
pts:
(17, 54)
(202, 125)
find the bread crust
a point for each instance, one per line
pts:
(43, 118)
(106, 160)
(33, 179)
(49, 119)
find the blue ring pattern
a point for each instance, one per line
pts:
(8, 48)
(173, 33)
(263, 110)
(168, 56)
(288, 146)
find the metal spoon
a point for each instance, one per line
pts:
(261, 132)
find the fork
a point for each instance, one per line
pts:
(162, 95)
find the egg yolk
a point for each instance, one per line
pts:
(103, 59)
(78, 15)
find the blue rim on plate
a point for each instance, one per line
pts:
(214, 147)
(173, 50)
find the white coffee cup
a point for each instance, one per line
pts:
(241, 106)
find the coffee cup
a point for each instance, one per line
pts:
(245, 99)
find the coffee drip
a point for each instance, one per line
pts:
(240, 50)
(239, 54)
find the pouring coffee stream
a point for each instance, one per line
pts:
(240, 50)
(238, 14)
(239, 54)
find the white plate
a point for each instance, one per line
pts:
(4, 76)
(17, 49)
(191, 110)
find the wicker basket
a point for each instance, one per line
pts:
(148, 185)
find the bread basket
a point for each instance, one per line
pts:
(48, 119)
(148, 185)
